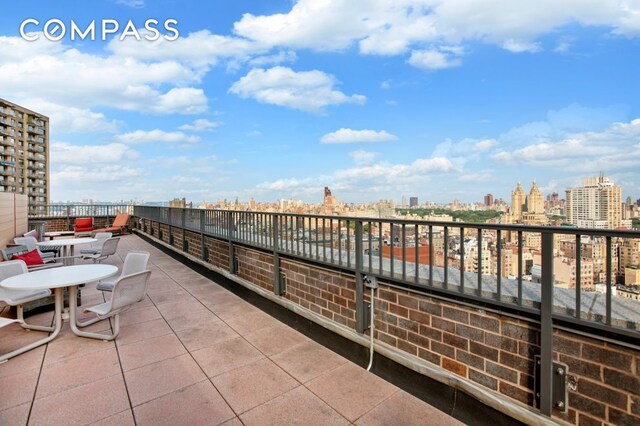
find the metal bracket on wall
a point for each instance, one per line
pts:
(559, 384)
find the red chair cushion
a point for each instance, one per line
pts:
(83, 224)
(30, 258)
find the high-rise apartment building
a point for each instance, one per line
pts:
(329, 201)
(24, 154)
(488, 200)
(596, 204)
(518, 202)
(535, 200)
(413, 201)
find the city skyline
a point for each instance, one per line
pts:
(374, 102)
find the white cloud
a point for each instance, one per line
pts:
(392, 28)
(136, 4)
(309, 91)
(68, 119)
(67, 154)
(433, 59)
(143, 136)
(617, 147)
(379, 177)
(94, 175)
(520, 46)
(363, 157)
(485, 145)
(200, 125)
(475, 177)
(281, 57)
(199, 50)
(68, 77)
(356, 136)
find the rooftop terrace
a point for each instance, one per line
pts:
(192, 353)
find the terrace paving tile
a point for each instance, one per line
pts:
(226, 356)
(351, 390)
(22, 386)
(17, 415)
(296, 407)
(142, 331)
(99, 400)
(254, 384)
(252, 322)
(124, 418)
(204, 335)
(31, 360)
(200, 404)
(137, 315)
(86, 369)
(150, 351)
(230, 310)
(403, 408)
(71, 347)
(275, 339)
(161, 378)
(308, 360)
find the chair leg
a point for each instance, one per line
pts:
(105, 337)
(23, 324)
(56, 331)
(91, 321)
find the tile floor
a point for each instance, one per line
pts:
(192, 353)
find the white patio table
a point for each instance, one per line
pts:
(58, 279)
(68, 244)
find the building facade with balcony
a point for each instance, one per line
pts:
(24, 154)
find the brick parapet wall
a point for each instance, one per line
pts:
(328, 293)
(490, 350)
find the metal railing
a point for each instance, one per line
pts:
(505, 268)
(444, 257)
(80, 210)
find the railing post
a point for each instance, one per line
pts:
(184, 240)
(232, 251)
(360, 307)
(68, 219)
(203, 255)
(169, 226)
(277, 279)
(546, 326)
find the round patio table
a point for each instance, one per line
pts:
(58, 279)
(68, 244)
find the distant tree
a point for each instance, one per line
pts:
(478, 216)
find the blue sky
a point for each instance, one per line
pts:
(439, 99)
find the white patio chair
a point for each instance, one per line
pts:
(134, 262)
(31, 244)
(7, 321)
(109, 247)
(33, 233)
(127, 290)
(96, 246)
(18, 298)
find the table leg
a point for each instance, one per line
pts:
(58, 326)
(73, 321)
